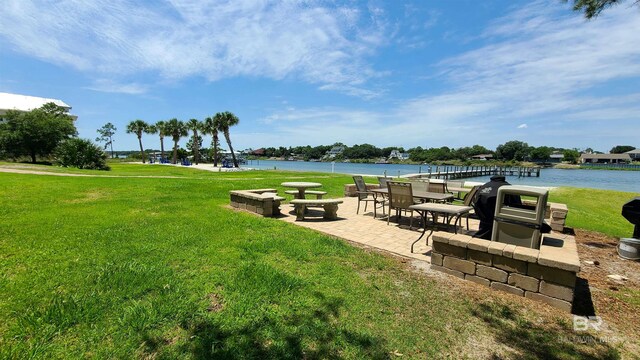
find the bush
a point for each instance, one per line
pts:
(81, 153)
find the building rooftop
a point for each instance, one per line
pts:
(624, 156)
(10, 101)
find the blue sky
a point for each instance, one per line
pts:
(388, 73)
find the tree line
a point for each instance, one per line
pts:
(48, 133)
(177, 129)
(510, 151)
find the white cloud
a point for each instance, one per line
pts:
(106, 85)
(213, 39)
(551, 70)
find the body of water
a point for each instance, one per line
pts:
(597, 179)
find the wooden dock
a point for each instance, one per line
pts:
(461, 172)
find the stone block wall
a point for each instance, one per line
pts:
(265, 202)
(555, 213)
(351, 191)
(547, 275)
(558, 216)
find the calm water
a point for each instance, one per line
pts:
(597, 179)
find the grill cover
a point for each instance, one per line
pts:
(631, 212)
(484, 204)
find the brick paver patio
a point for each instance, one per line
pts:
(363, 229)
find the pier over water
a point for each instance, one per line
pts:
(463, 172)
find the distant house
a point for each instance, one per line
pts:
(605, 158)
(397, 154)
(556, 157)
(336, 150)
(482, 157)
(258, 152)
(634, 154)
(26, 103)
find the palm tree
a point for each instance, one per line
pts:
(226, 120)
(160, 129)
(138, 127)
(176, 129)
(195, 125)
(212, 126)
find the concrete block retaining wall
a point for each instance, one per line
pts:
(265, 202)
(547, 275)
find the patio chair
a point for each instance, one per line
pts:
(383, 181)
(400, 199)
(420, 185)
(469, 200)
(367, 196)
(454, 184)
(437, 187)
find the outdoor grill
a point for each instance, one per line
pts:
(631, 212)
(485, 204)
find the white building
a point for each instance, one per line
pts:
(397, 154)
(17, 102)
(605, 158)
(336, 150)
(482, 157)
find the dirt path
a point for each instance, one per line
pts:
(614, 298)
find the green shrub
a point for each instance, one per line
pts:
(81, 153)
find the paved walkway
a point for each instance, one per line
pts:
(365, 230)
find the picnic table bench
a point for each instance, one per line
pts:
(330, 207)
(317, 193)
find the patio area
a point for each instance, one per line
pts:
(364, 230)
(547, 274)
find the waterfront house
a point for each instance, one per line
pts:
(605, 158)
(258, 152)
(556, 157)
(482, 157)
(335, 151)
(397, 154)
(634, 154)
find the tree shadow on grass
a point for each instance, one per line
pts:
(310, 334)
(540, 341)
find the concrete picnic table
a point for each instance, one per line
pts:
(302, 186)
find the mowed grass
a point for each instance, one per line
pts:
(596, 210)
(138, 267)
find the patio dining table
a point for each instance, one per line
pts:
(422, 195)
(449, 211)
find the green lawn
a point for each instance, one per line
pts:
(595, 210)
(122, 267)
